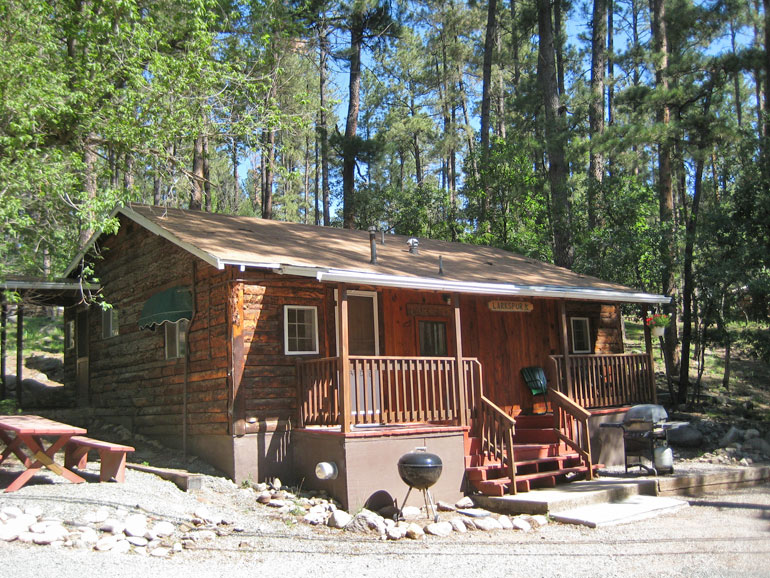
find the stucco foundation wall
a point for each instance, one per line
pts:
(369, 464)
(607, 442)
(255, 457)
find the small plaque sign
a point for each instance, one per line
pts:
(428, 310)
(513, 306)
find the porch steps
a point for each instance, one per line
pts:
(541, 460)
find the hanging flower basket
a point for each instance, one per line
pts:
(658, 323)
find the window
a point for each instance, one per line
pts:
(581, 335)
(300, 330)
(176, 338)
(432, 338)
(69, 335)
(109, 323)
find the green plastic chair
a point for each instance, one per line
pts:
(537, 382)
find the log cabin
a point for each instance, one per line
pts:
(268, 348)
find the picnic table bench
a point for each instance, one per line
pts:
(112, 457)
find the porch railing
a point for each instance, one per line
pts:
(571, 423)
(388, 390)
(607, 380)
(496, 430)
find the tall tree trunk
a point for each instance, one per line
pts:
(486, 88)
(610, 63)
(206, 175)
(486, 96)
(323, 127)
(555, 134)
(351, 125)
(596, 108)
(665, 182)
(767, 73)
(688, 285)
(558, 43)
(467, 121)
(758, 43)
(233, 204)
(736, 80)
(500, 92)
(128, 175)
(306, 219)
(515, 48)
(196, 189)
(267, 183)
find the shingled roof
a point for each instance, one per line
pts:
(344, 255)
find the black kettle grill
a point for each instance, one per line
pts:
(420, 469)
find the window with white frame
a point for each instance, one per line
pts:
(110, 327)
(300, 329)
(581, 335)
(176, 338)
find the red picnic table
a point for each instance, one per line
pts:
(23, 436)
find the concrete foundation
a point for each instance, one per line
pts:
(367, 461)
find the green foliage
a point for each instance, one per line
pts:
(506, 201)
(624, 246)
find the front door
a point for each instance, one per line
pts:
(363, 339)
(362, 324)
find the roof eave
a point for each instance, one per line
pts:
(434, 284)
(153, 228)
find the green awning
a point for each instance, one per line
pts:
(170, 306)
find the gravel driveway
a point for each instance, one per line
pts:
(721, 534)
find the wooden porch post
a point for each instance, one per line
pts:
(19, 350)
(565, 346)
(648, 349)
(344, 354)
(462, 394)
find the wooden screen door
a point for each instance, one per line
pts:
(363, 339)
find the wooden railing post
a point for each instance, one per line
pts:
(462, 394)
(565, 347)
(344, 357)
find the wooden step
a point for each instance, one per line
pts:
(544, 421)
(496, 470)
(525, 482)
(535, 436)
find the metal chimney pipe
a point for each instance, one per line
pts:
(373, 244)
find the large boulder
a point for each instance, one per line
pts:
(685, 437)
(733, 435)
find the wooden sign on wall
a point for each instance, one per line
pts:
(511, 306)
(428, 310)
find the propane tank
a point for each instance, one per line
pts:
(664, 459)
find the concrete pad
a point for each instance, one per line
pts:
(629, 510)
(564, 497)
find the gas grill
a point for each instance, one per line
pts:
(645, 438)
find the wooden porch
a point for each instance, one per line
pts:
(504, 453)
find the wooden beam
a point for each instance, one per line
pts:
(462, 394)
(19, 351)
(344, 356)
(565, 346)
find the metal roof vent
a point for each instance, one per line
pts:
(413, 245)
(373, 244)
